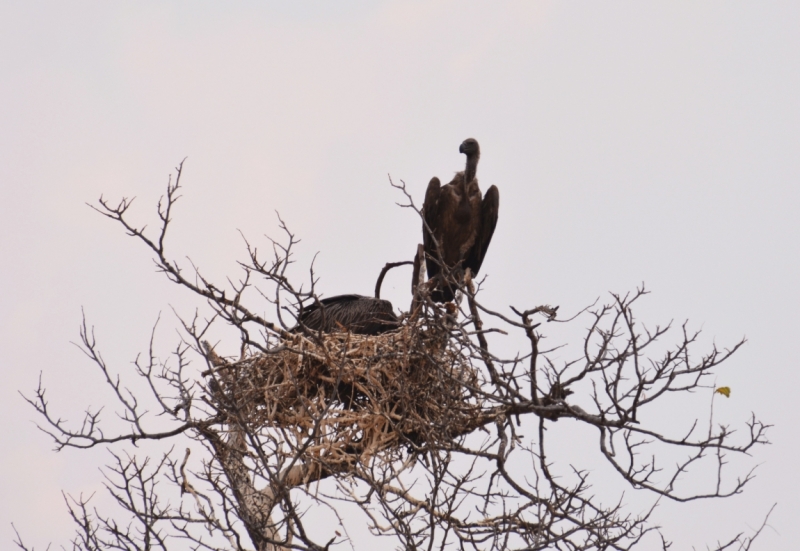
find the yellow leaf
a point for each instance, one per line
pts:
(724, 390)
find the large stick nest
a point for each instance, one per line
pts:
(338, 396)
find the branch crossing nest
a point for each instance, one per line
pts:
(338, 396)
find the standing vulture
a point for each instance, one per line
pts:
(459, 221)
(354, 313)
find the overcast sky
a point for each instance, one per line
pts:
(631, 142)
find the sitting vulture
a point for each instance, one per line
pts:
(461, 222)
(354, 313)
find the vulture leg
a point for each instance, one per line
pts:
(489, 208)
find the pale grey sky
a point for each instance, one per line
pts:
(631, 142)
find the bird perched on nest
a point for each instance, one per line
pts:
(354, 313)
(459, 221)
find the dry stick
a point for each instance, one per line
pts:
(209, 292)
(529, 331)
(415, 272)
(417, 280)
(389, 266)
(208, 513)
(239, 363)
(186, 487)
(476, 320)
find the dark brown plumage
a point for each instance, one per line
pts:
(354, 313)
(460, 221)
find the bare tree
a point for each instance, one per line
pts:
(426, 443)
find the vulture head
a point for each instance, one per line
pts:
(469, 147)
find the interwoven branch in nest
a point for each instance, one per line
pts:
(340, 396)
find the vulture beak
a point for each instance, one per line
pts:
(461, 148)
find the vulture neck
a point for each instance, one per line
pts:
(471, 169)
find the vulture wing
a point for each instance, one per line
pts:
(489, 208)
